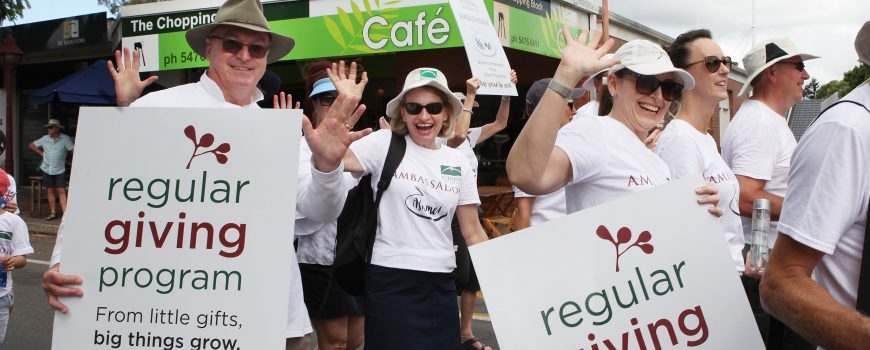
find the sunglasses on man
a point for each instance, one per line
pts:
(648, 84)
(800, 66)
(233, 46)
(712, 63)
(414, 108)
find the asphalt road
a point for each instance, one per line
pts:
(30, 324)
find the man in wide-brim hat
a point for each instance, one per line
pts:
(238, 45)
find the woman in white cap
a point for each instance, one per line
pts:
(601, 159)
(410, 294)
(686, 146)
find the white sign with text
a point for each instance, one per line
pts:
(180, 224)
(485, 54)
(648, 271)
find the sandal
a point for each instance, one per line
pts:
(50, 217)
(469, 344)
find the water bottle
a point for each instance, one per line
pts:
(759, 250)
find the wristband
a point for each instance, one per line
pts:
(467, 110)
(560, 89)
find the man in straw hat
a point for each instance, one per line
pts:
(823, 227)
(53, 148)
(758, 145)
(238, 45)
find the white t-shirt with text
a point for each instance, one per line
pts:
(416, 210)
(608, 162)
(688, 152)
(14, 241)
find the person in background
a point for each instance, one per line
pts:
(758, 146)
(813, 277)
(14, 245)
(534, 210)
(686, 146)
(337, 316)
(53, 149)
(593, 84)
(465, 139)
(10, 197)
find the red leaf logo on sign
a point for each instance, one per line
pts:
(205, 141)
(623, 236)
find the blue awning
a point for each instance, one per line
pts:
(90, 86)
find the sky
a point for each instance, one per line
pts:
(823, 28)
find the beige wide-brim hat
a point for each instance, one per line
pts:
(247, 14)
(424, 77)
(589, 84)
(644, 57)
(862, 43)
(767, 54)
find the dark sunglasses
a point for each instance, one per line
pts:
(797, 65)
(414, 108)
(712, 63)
(325, 99)
(648, 84)
(233, 46)
(51, 127)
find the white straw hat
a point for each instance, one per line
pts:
(424, 77)
(644, 57)
(767, 54)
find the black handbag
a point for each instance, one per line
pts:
(358, 222)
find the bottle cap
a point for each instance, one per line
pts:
(761, 203)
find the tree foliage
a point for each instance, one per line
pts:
(115, 5)
(10, 10)
(811, 88)
(851, 79)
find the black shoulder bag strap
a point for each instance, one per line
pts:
(394, 156)
(863, 302)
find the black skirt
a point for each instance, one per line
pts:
(408, 309)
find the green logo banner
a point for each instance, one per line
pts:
(359, 27)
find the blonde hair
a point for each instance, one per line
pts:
(398, 125)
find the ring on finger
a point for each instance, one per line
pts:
(348, 126)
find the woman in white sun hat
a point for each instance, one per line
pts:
(597, 158)
(410, 294)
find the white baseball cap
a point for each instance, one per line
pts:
(644, 57)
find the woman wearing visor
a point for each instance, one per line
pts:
(593, 157)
